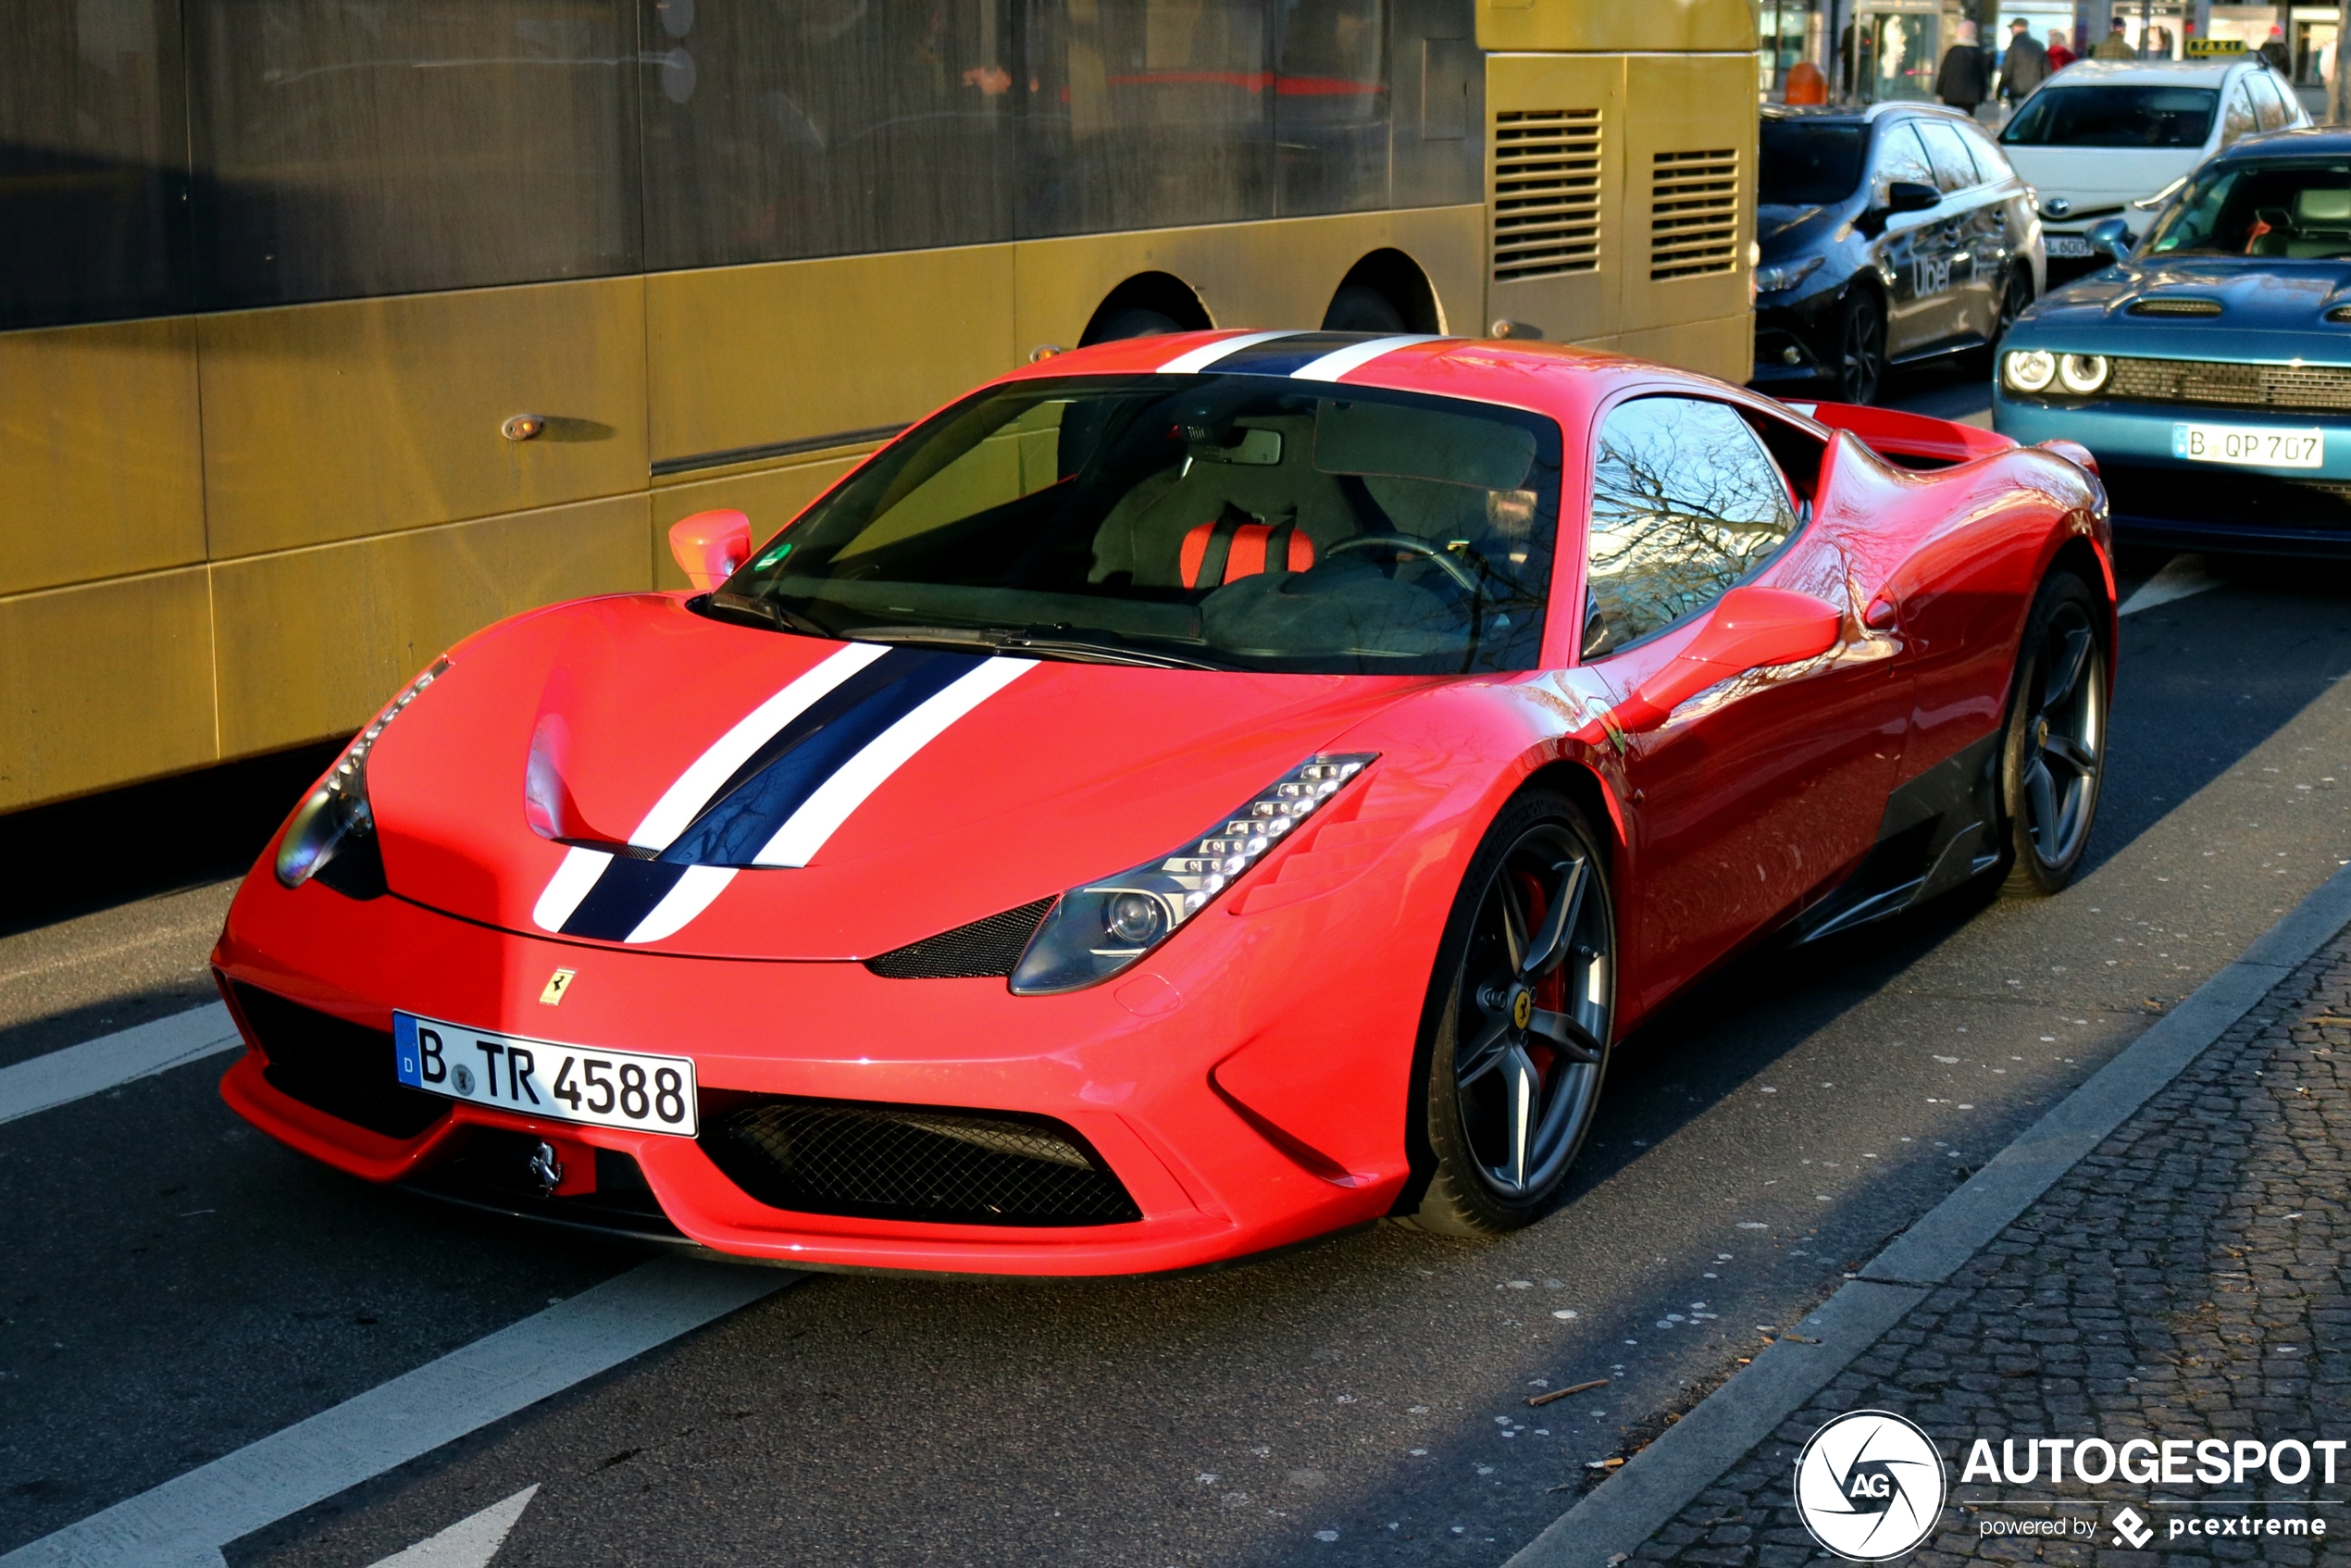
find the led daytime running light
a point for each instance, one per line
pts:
(1103, 927)
(2029, 370)
(336, 811)
(2081, 374)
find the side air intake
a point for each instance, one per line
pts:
(985, 949)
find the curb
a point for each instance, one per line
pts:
(1662, 1479)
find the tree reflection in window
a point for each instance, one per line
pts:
(1685, 503)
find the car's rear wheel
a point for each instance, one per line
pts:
(1860, 348)
(2054, 755)
(1519, 1033)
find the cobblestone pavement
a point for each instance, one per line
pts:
(2187, 1279)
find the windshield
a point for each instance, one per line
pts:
(1222, 521)
(2114, 116)
(2288, 209)
(1809, 164)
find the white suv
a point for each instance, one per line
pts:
(2102, 137)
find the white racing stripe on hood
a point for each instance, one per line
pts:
(1202, 357)
(684, 799)
(1338, 362)
(689, 898)
(804, 832)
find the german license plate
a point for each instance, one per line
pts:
(2255, 446)
(2067, 245)
(539, 1078)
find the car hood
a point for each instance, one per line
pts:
(624, 716)
(2099, 177)
(1783, 231)
(2269, 309)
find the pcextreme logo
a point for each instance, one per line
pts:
(1870, 1485)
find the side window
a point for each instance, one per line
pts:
(1685, 503)
(2239, 120)
(1898, 156)
(1991, 166)
(2270, 109)
(1954, 171)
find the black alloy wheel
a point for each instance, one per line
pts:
(2055, 753)
(1861, 348)
(2016, 298)
(1521, 1036)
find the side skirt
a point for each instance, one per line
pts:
(1940, 830)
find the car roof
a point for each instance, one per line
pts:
(1847, 114)
(2150, 73)
(2308, 140)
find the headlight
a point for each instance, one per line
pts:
(337, 813)
(2081, 374)
(2028, 371)
(1096, 931)
(1785, 275)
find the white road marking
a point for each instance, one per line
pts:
(1332, 365)
(94, 1066)
(804, 832)
(186, 1520)
(2181, 576)
(1200, 358)
(470, 1542)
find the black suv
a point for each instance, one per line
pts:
(1888, 234)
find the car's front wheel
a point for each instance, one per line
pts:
(1522, 1006)
(2053, 757)
(1861, 348)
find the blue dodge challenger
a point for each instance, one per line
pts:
(2210, 367)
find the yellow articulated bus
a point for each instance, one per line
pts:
(332, 329)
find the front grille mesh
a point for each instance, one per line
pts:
(914, 1163)
(983, 948)
(1547, 193)
(331, 1064)
(2231, 385)
(1694, 214)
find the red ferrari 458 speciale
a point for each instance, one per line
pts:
(1189, 795)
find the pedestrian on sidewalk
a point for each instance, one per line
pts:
(2059, 56)
(2116, 46)
(1965, 76)
(2273, 50)
(2026, 64)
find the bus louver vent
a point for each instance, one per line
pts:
(1547, 193)
(1694, 214)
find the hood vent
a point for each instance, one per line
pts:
(1694, 214)
(2174, 307)
(1547, 193)
(2341, 313)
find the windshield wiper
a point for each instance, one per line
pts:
(996, 642)
(767, 610)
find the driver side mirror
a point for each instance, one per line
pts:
(2111, 238)
(1749, 628)
(1911, 195)
(709, 546)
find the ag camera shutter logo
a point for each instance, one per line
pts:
(1870, 1485)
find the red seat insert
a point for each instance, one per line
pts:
(1247, 557)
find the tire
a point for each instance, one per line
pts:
(1359, 307)
(1503, 1034)
(2053, 758)
(1861, 348)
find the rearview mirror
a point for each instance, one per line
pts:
(1749, 628)
(1911, 195)
(2111, 238)
(709, 546)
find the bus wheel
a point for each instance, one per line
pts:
(1359, 307)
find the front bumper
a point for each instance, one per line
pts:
(2162, 501)
(1795, 343)
(1233, 1125)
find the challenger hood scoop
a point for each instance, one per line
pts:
(624, 771)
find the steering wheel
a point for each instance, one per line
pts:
(1412, 545)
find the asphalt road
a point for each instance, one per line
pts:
(178, 1285)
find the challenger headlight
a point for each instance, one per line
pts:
(1785, 275)
(337, 815)
(2081, 374)
(1096, 931)
(2028, 369)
